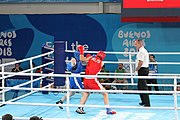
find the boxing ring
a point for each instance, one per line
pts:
(164, 104)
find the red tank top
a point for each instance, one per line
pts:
(93, 66)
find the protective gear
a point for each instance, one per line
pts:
(88, 55)
(77, 55)
(73, 62)
(101, 54)
(69, 66)
(93, 55)
(81, 49)
(75, 69)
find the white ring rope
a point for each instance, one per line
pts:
(49, 48)
(48, 58)
(118, 75)
(84, 90)
(99, 76)
(158, 63)
(124, 74)
(28, 70)
(130, 53)
(27, 59)
(135, 84)
(112, 52)
(93, 106)
(88, 76)
(24, 83)
(27, 94)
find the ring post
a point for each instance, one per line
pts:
(44, 61)
(44, 82)
(59, 62)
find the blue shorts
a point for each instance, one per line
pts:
(75, 83)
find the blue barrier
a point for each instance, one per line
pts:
(11, 82)
(14, 82)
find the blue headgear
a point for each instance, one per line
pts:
(77, 55)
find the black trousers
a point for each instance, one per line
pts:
(152, 81)
(142, 85)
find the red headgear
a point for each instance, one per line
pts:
(101, 54)
(88, 55)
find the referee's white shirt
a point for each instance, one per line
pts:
(142, 55)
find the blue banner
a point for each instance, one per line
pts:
(22, 36)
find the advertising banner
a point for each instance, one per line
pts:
(21, 36)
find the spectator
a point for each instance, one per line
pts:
(7, 117)
(35, 118)
(39, 70)
(120, 69)
(152, 69)
(178, 87)
(17, 68)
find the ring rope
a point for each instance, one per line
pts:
(27, 59)
(28, 70)
(25, 83)
(27, 94)
(153, 74)
(93, 106)
(88, 76)
(119, 91)
(98, 106)
(49, 48)
(158, 63)
(84, 90)
(112, 52)
(133, 84)
(117, 62)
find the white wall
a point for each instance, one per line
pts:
(60, 8)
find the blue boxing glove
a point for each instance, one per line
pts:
(71, 64)
(93, 55)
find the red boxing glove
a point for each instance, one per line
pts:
(81, 49)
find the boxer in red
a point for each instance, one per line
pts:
(94, 65)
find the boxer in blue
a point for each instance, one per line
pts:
(75, 67)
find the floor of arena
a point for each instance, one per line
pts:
(94, 113)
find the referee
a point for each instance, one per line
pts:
(142, 63)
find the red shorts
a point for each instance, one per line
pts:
(92, 83)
